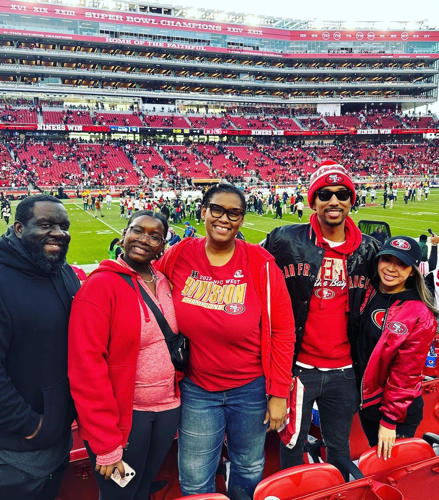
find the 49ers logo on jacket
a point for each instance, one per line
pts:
(401, 244)
(378, 317)
(397, 327)
(334, 179)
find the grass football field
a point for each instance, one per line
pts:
(91, 235)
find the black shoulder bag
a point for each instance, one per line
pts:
(178, 344)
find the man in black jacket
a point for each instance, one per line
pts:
(36, 291)
(327, 265)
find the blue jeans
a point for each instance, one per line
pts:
(337, 397)
(205, 418)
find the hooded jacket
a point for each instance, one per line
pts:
(393, 375)
(299, 251)
(104, 341)
(34, 312)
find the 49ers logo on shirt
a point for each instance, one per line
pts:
(334, 179)
(397, 327)
(400, 244)
(324, 293)
(234, 308)
(378, 317)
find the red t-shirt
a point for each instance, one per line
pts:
(219, 311)
(325, 341)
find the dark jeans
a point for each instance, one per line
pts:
(18, 485)
(150, 438)
(337, 397)
(370, 421)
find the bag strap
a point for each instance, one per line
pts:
(161, 320)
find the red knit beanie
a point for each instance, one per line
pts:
(330, 173)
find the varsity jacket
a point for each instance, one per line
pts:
(300, 258)
(277, 322)
(393, 374)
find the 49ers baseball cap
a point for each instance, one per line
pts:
(330, 173)
(405, 248)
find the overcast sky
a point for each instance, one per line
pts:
(347, 10)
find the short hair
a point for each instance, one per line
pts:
(423, 237)
(24, 211)
(223, 188)
(154, 215)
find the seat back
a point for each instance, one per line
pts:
(361, 489)
(204, 496)
(404, 452)
(298, 481)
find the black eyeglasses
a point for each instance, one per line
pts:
(233, 214)
(326, 194)
(152, 239)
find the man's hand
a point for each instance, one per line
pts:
(276, 413)
(37, 430)
(386, 440)
(107, 470)
(434, 239)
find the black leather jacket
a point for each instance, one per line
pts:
(300, 259)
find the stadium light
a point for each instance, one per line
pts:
(221, 16)
(193, 13)
(252, 20)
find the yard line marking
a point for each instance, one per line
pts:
(118, 231)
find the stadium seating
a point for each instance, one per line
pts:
(204, 496)
(413, 468)
(22, 116)
(119, 119)
(298, 481)
(75, 117)
(166, 121)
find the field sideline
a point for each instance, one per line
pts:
(91, 235)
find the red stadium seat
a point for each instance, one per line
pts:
(413, 468)
(361, 489)
(298, 481)
(404, 452)
(205, 496)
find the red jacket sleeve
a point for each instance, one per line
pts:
(91, 368)
(405, 374)
(282, 334)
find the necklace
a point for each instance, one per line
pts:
(153, 276)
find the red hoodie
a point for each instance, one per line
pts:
(104, 340)
(325, 341)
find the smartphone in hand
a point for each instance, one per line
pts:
(123, 481)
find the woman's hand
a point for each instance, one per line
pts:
(386, 440)
(276, 413)
(107, 470)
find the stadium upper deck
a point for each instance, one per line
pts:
(153, 52)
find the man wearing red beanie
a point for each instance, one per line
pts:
(327, 266)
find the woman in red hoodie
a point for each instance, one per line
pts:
(232, 303)
(121, 376)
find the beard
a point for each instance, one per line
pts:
(48, 263)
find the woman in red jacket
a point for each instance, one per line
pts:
(121, 376)
(232, 303)
(396, 330)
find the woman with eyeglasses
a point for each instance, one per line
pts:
(121, 375)
(231, 302)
